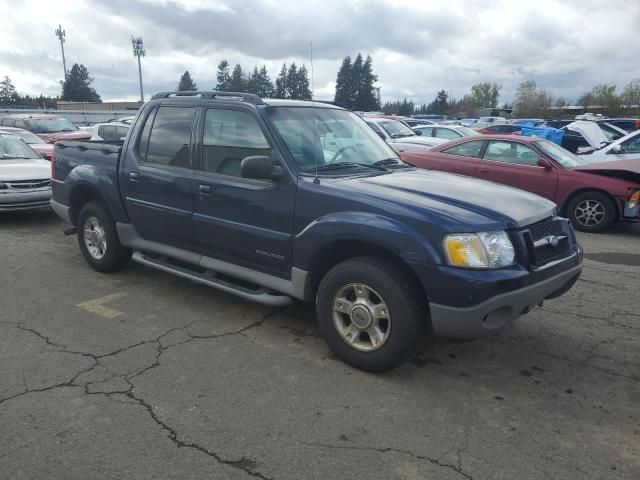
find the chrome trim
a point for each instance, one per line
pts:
(556, 262)
(548, 240)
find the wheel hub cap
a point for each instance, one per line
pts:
(590, 213)
(361, 317)
(95, 238)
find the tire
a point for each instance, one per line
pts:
(591, 211)
(99, 240)
(354, 297)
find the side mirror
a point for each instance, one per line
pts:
(544, 163)
(259, 167)
(616, 149)
(417, 132)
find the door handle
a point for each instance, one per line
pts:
(205, 189)
(134, 176)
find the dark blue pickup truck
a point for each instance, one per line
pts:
(277, 199)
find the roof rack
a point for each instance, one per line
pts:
(245, 97)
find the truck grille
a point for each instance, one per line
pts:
(28, 184)
(550, 240)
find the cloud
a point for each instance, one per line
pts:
(418, 47)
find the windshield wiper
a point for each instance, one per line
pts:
(388, 161)
(342, 165)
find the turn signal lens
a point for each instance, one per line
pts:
(634, 200)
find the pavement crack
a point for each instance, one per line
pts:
(435, 461)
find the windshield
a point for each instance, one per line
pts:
(322, 137)
(51, 125)
(13, 147)
(396, 129)
(28, 137)
(560, 155)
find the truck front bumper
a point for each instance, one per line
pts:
(496, 313)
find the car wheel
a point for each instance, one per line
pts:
(591, 212)
(99, 240)
(371, 313)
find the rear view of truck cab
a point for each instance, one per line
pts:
(276, 200)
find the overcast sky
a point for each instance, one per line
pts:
(418, 47)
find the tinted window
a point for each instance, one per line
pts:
(446, 134)
(468, 149)
(229, 137)
(170, 137)
(143, 143)
(511, 152)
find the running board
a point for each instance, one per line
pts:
(208, 278)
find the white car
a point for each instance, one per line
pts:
(25, 178)
(627, 148)
(400, 137)
(110, 132)
(488, 121)
(446, 132)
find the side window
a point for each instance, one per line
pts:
(446, 134)
(143, 143)
(426, 131)
(20, 124)
(632, 145)
(378, 130)
(170, 137)
(511, 152)
(229, 137)
(107, 132)
(121, 132)
(8, 122)
(467, 149)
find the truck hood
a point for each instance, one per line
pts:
(54, 137)
(625, 169)
(468, 200)
(24, 169)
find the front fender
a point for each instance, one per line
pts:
(366, 227)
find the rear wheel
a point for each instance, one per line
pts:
(99, 240)
(591, 211)
(370, 313)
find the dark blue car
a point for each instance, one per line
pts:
(276, 199)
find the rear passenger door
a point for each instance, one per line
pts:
(243, 221)
(156, 178)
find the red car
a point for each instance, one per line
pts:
(503, 129)
(592, 195)
(50, 128)
(39, 145)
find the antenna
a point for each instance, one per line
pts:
(316, 180)
(311, 55)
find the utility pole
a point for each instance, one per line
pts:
(139, 51)
(60, 33)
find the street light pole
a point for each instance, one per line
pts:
(139, 51)
(60, 33)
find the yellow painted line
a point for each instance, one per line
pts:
(97, 305)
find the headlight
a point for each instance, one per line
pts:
(479, 250)
(634, 200)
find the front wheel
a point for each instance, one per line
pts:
(371, 313)
(99, 240)
(591, 212)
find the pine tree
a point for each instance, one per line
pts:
(356, 82)
(281, 83)
(77, 86)
(222, 76)
(186, 83)
(263, 85)
(293, 82)
(8, 93)
(238, 82)
(304, 92)
(343, 83)
(366, 99)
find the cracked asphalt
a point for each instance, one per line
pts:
(173, 380)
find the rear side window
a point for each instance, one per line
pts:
(229, 137)
(632, 145)
(8, 122)
(121, 132)
(446, 134)
(467, 149)
(511, 152)
(107, 133)
(170, 137)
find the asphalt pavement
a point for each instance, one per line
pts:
(143, 375)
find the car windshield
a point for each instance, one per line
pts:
(331, 139)
(51, 125)
(396, 129)
(28, 137)
(12, 147)
(562, 156)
